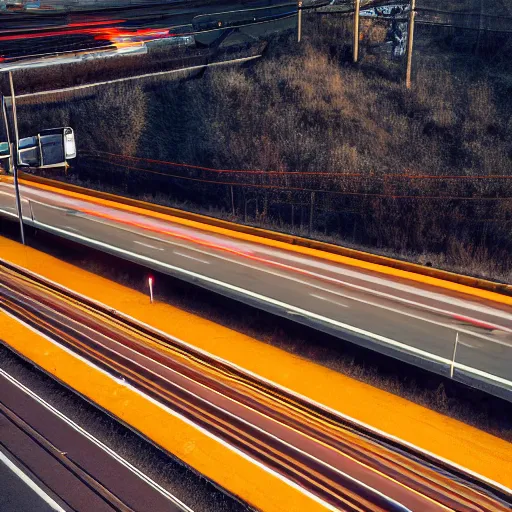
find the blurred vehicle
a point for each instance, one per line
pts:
(48, 149)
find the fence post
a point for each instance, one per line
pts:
(355, 49)
(410, 44)
(232, 200)
(293, 216)
(311, 213)
(454, 353)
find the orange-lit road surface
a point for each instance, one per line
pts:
(339, 465)
(411, 317)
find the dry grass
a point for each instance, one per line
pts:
(304, 108)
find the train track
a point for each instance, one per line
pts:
(345, 464)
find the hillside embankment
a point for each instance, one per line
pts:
(357, 159)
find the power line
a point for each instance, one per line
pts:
(310, 190)
(332, 175)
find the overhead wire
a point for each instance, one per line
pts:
(405, 176)
(315, 190)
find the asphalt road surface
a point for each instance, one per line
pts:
(341, 468)
(18, 493)
(50, 463)
(407, 320)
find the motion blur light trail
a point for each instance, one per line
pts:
(335, 464)
(203, 22)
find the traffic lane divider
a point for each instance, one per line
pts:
(479, 288)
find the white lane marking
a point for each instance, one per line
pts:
(280, 387)
(30, 483)
(11, 214)
(312, 285)
(147, 245)
(468, 345)
(386, 283)
(412, 290)
(191, 257)
(329, 300)
(375, 292)
(51, 206)
(279, 304)
(71, 228)
(328, 290)
(86, 434)
(181, 417)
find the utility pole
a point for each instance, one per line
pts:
(299, 21)
(14, 159)
(410, 44)
(355, 49)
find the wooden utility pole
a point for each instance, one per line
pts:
(410, 44)
(480, 27)
(299, 21)
(355, 49)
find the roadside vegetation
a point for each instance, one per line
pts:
(424, 175)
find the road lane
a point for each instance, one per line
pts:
(331, 462)
(37, 35)
(20, 493)
(72, 466)
(408, 320)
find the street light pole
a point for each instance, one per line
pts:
(14, 158)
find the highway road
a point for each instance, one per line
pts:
(341, 466)
(407, 320)
(49, 463)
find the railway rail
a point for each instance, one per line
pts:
(343, 464)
